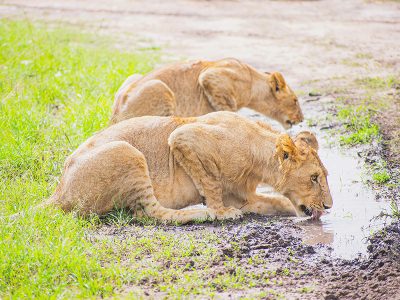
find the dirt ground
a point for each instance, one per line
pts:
(285, 263)
(318, 45)
(306, 40)
(321, 42)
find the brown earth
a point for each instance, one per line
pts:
(318, 42)
(283, 263)
(321, 47)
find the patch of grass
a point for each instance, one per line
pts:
(379, 172)
(378, 82)
(314, 93)
(357, 121)
(364, 55)
(306, 290)
(395, 209)
(119, 218)
(56, 89)
(351, 63)
(46, 254)
(381, 177)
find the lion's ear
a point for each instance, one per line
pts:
(285, 149)
(277, 82)
(308, 138)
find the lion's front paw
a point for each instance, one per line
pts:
(228, 213)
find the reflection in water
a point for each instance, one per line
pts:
(348, 223)
(315, 232)
(354, 205)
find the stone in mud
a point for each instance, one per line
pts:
(261, 246)
(310, 250)
(228, 251)
(331, 297)
(381, 277)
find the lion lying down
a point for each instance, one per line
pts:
(197, 88)
(158, 165)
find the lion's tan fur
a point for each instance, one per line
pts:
(201, 87)
(157, 165)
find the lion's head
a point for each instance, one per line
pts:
(304, 179)
(287, 111)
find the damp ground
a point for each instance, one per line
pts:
(323, 48)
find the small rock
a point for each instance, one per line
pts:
(325, 261)
(228, 251)
(381, 277)
(310, 250)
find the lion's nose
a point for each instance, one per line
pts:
(300, 117)
(326, 206)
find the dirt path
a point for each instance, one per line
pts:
(316, 44)
(304, 39)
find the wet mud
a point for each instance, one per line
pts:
(277, 244)
(308, 41)
(353, 252)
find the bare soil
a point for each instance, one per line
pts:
(317, 45)
(278, 244)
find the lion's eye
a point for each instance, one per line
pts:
(295, 101)
(314, 178)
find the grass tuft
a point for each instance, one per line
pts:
(381, 177)
(378, 82)
(357, 121)
(395, 209)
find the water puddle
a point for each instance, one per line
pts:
(348, 224)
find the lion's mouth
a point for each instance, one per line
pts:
(289, 124)
(313, 213)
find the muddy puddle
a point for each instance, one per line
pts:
(351, 220)
(348, 224)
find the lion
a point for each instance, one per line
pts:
(200, 87)
(156, 166)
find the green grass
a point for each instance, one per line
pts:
(56, 89)
(306, 290)
(358, 125)
(381, 177)
(378, 82)
(395, 209)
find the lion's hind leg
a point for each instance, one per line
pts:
(151, 98)
(115, 175)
